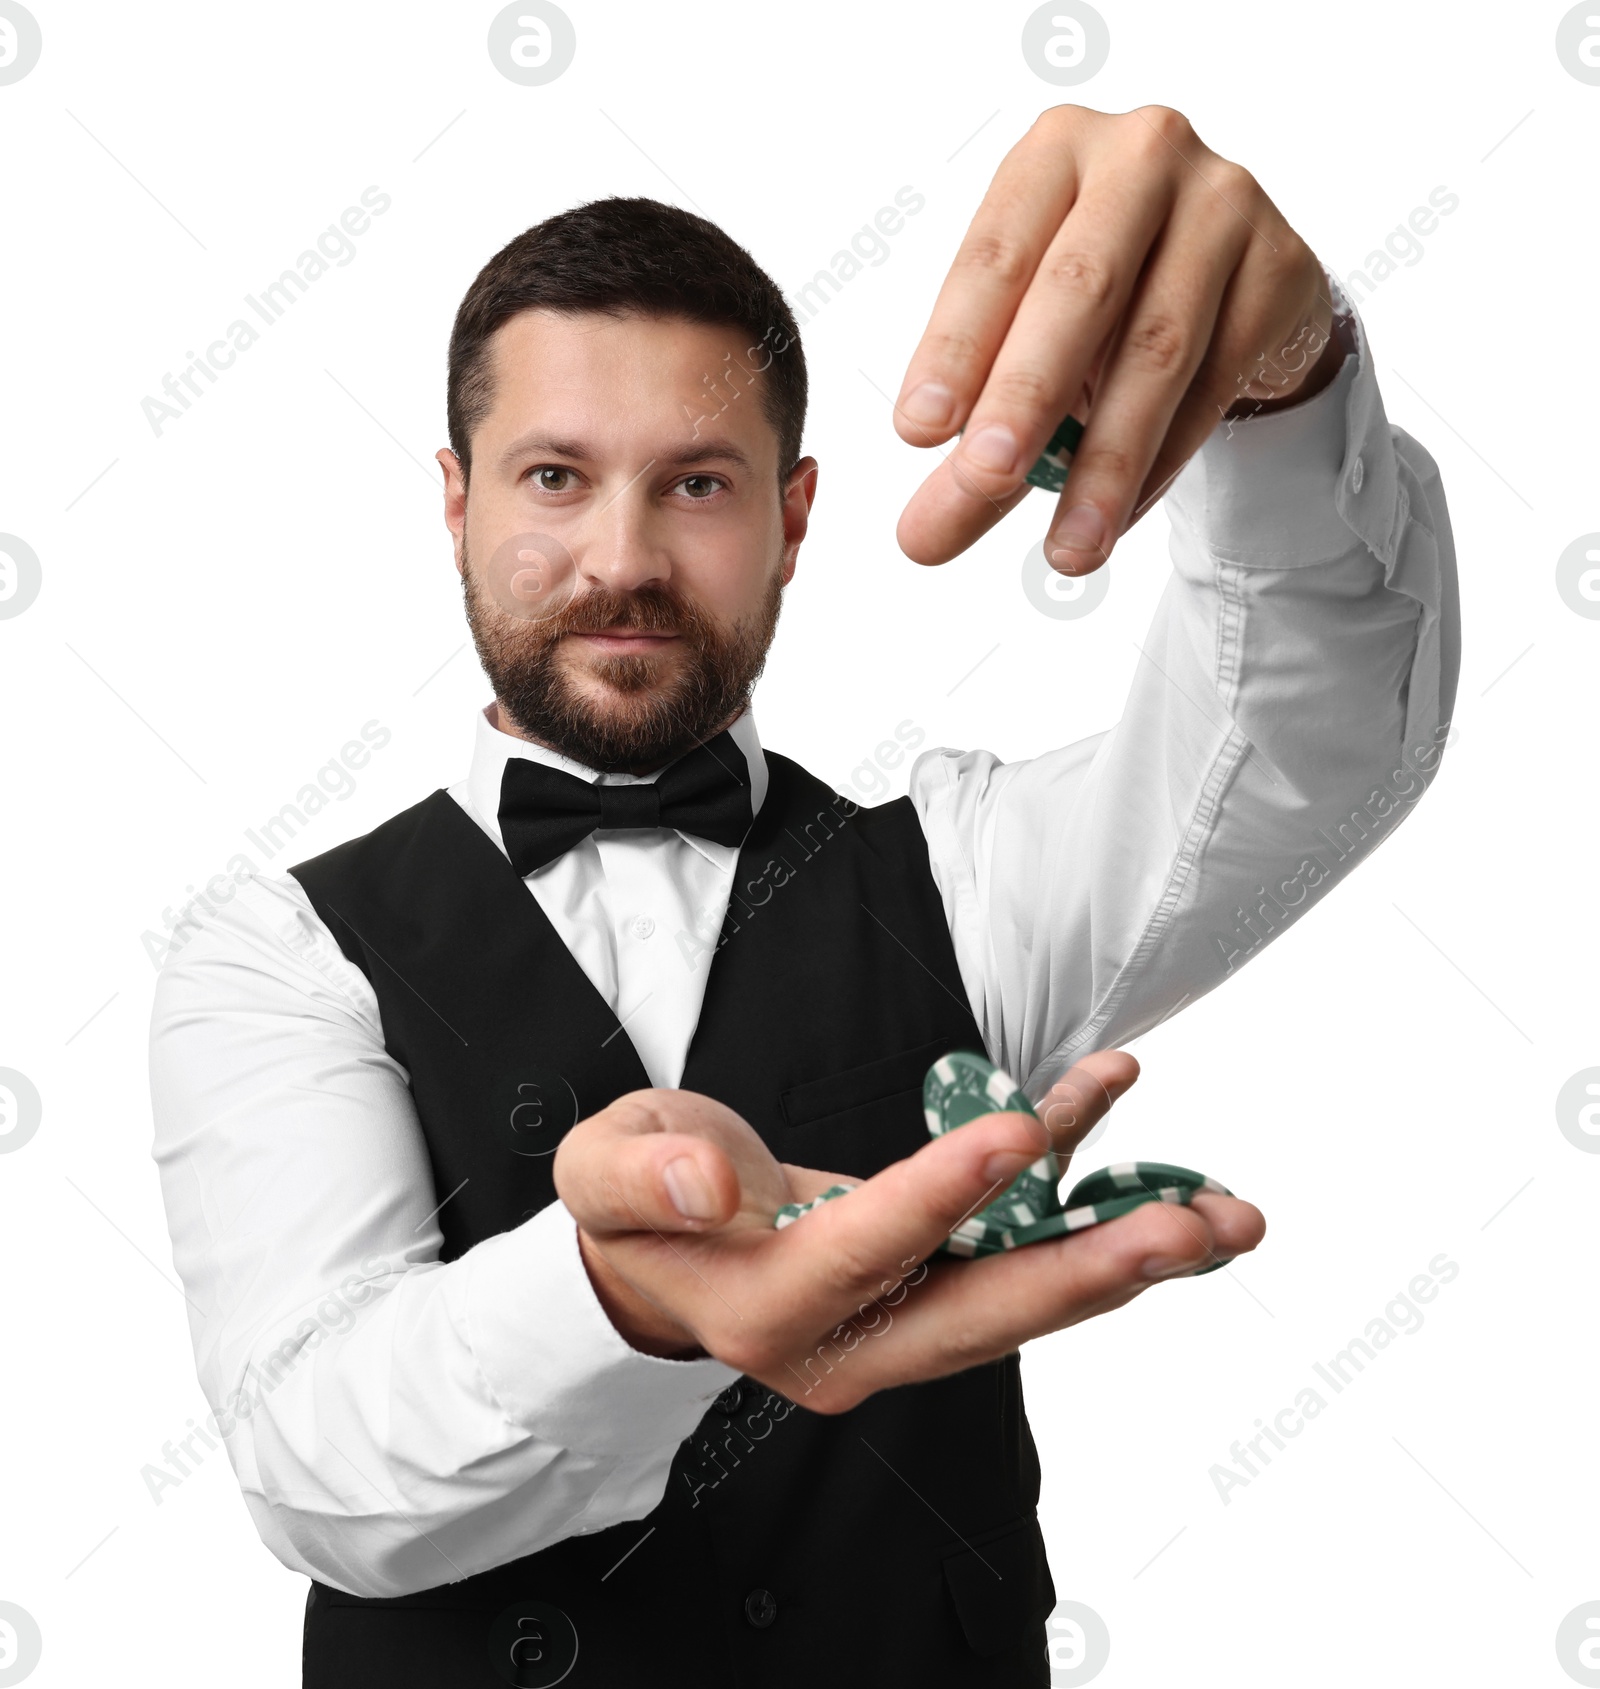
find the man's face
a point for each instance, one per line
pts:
(624, 544)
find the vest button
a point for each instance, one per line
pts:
(731, 1399)
(760, 1608)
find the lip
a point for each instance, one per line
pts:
(627, 640)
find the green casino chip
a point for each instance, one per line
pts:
(1050, 470)
(962, 1087)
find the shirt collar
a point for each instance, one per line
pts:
(491, 749)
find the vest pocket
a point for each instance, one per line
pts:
(872, 1082)
(1001, 1586)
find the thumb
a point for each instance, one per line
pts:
(634, 1167)
(901, 1215)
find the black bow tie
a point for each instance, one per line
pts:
(545, 811)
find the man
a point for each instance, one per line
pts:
(472, 1131)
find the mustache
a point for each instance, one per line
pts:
(647, 609)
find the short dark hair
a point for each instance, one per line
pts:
(628, 257)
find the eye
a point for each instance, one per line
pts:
(701, 487)
(551, 478)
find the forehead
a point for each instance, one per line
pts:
(623, 382)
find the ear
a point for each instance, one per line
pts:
(798, 493)
(455, 501)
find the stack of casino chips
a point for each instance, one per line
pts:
(963, 1086)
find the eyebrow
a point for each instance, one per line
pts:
(713, 449)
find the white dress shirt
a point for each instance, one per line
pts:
(396, 1422)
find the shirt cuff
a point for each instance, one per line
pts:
(1290, 487)
(554, 1361)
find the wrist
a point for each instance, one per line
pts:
(638, 1321)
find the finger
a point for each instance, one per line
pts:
(1159, 347)
(945, 507)
(866, 1242)
(1236, 1226)
(626, 1169)
(1070, 310)
(1030, 195)
(1083, 1095)
(963, 1314)
(1235, 358)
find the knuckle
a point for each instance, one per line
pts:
(1020, 388)
(1166, 122)
(1157, 344)
(1294, 263)
(1160, 127)
(1294, 254)
(997, 255)
(1237, 186)
(952, 350)
(1084, 275)
(1064, 116)
(1104, 463)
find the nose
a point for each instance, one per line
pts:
(621, 547)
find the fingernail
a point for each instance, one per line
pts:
(1165, 1266)
(1079, 536)
(928, 405)
(1007, 1163)
(690, 1194)
(992, 447)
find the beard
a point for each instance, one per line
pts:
(622, 713)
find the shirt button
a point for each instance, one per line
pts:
(760, 1608)
(1358, 474)
(643, 927)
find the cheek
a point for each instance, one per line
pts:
(726, 567)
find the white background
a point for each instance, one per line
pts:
(228, 602)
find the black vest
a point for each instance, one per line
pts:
(894, 1544)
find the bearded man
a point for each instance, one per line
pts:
(473, 1131)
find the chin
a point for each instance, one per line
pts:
(601, 679)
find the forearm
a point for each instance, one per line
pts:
(1299, 671)
(417, 1446)
(390, 1416)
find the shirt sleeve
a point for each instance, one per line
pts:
(1290, 704)
(395, 1422)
